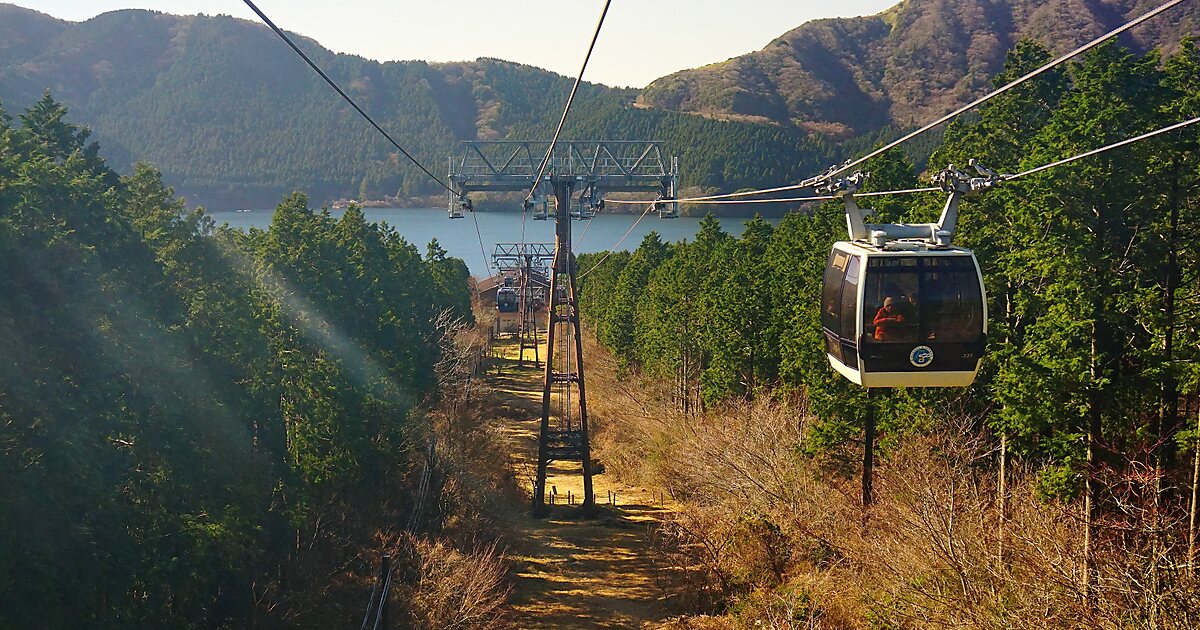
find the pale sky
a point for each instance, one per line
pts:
(641, 41)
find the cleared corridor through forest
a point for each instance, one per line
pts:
(573, 572)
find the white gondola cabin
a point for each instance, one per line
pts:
(667, 208)
(904, 318)
(539, 206)
(901, 306)
(460, 206)
(507, 299)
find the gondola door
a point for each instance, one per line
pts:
(840, 311)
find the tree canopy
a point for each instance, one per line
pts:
(177, 401)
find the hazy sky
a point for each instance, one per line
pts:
(642, 39)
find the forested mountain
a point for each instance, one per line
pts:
(911, 63)
(233, 118)
(181, 404)
(24, 33)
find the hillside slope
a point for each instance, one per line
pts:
(234, 119)
(24, 32)
(906, 65)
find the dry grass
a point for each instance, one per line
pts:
(459, 589)
(570, 571)
(767, 537)
(448, 579)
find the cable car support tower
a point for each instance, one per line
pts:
(589, 170)
(530, 262)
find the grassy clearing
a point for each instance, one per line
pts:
(572, 572)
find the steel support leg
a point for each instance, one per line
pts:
(571, 441)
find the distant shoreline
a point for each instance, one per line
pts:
(503, 204)
(725, 212)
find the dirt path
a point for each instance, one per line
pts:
(574, 572)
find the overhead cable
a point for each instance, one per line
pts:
(649, 207)
(1026, 77)
(906, 191)
(1115, 145)
(909, 191)
(345, 96)
(482, 250)
(366, 116)
(585, 231)
(570, 99)
(833, 173)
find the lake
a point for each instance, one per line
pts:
(420, 225)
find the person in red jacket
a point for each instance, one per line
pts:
(894, 320)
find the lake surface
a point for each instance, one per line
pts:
(420, 225)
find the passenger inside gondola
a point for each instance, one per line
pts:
(895, 320)
(896, 317)
(949, 308)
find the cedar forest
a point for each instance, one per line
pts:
(1091, 376)
(174, 395)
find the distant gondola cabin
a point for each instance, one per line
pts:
(502, 289)
(507, 299)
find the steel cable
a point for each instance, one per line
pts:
(370, 606)
(913, 191)
(973, 104)
(345, 96)
(570, 99)
(649, 207)
(1115, 145)
(383, 598)
(482, 250)
(585, 231)
(367, 117)
(906, 191)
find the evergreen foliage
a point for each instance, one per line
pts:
(234, 120)
(179, 403)
(1090, 271)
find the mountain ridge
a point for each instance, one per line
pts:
(234, 120)
(802, 79)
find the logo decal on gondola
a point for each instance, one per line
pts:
(921, 356)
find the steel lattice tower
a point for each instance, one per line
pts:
(590, 169)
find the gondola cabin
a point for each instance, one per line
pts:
(507, 299)
(900, 305)
(667, 208)
(459, 206)
(913, 318)
(539, 206)
(584, 211)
